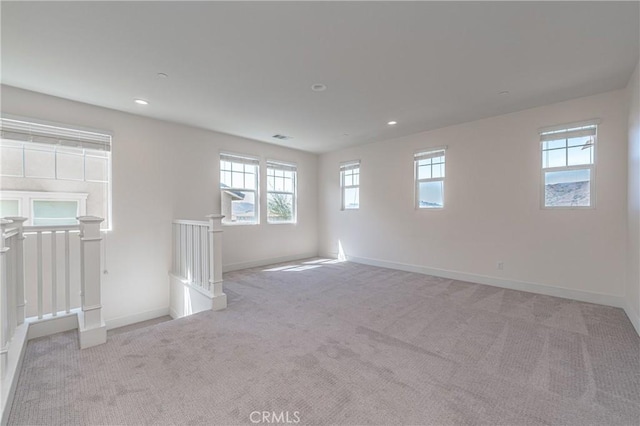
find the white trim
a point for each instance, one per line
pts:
(265, 262)
(574, 125)
(634, 316)
(136, 318)
(538, 288)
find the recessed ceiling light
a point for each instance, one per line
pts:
(141, 102)
(318, 87)
(162, 75)
(392, 123)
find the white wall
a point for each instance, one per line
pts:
(633, 238)
(163, 171)
(492, 208)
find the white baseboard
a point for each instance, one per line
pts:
(634, 317)
(264, 262)
(567, 293)
(51, 325)
(135, 318)
(8, 384)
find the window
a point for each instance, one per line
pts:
(429, 178)
(350, 184)
(281, 192)
(44, 208)
(568, 165)
(239, 189)
(49, 172)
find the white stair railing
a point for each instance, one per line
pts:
(197, 265)
(54, 273)
(49, 280)
(11, 285)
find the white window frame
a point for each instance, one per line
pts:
(27, 131)
(26, 200)
(290, 167)
(244, 160)
(568, 130)
(344, 168)
(434, 152)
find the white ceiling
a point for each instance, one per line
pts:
(247, 68)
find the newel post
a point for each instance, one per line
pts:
(4, 326)
(219, 300)
(20, 301)
(91, 326)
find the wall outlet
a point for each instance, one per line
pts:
(500, 265)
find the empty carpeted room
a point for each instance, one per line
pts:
(320, 213)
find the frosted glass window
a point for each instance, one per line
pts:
(54, 212)
(9, 208)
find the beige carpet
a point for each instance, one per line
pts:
(342, 343)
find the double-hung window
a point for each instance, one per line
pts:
(429, 178)
(51, 174)
(350, 185)
(239, 189)
(281, 192)
(568, 165)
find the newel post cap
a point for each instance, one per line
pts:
(90, 219)
(17, 219)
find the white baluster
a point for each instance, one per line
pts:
(39, 265)
(54, 275)
(67, 269)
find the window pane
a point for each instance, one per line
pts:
(352, 198)
(288, 185)
(250, 180)
(424, 172)
(243, 209)
(560, 143)
(348, 180)
(280, 208)
(11, 161)
(52, 212)
(96, 169)
(225, 178)
(580, 155)
(581, 141)
(70, 166)
(554, 158)
(9, 208)
(237, 167)
(237, 180)
(40, 164)
(430, 194)
(570, 188)
(438, 171)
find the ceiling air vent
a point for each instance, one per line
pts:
(281, 137)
